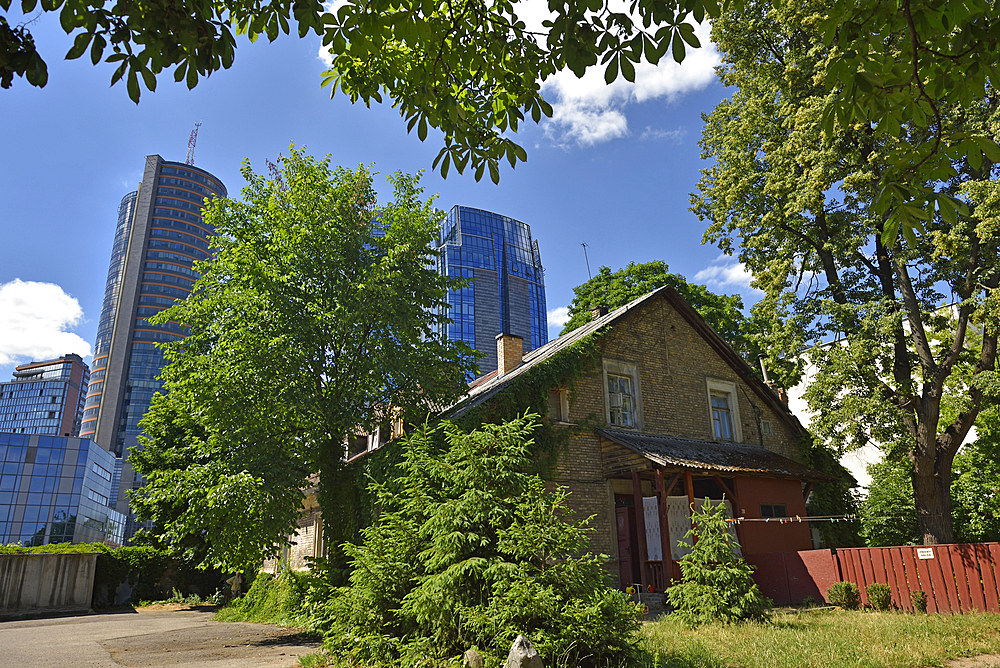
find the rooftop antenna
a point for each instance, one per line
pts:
(192, 140)
(584, 244)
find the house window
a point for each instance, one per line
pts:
(622, 396)
(621, 401)
(773, 510)
(722, 418)
(724, 410)
(559, 405)
(765, 427)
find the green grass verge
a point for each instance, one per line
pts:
(826, 639)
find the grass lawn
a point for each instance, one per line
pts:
(826, 639)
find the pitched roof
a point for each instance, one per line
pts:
(486, 387)
(723, 458)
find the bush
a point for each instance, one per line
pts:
(471, 550)
(919, 600)
(845, 594)
(715, 584)
(879, 596)
(271, 599)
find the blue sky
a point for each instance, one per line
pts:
(614, 170)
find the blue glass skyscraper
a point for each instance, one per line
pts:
(160, 235)
(506, 293)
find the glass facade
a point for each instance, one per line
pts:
(106, 325)
(176, 237)
(56, 489)
(159, 238)
(45, 397)
(506, 291)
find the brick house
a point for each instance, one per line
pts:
(667, 414)
(660, 413)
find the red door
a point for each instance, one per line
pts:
(628, 557)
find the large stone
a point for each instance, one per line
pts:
(523, 655)
(472, 659)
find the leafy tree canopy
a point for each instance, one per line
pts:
(802, 205)
(615, 289)
(316, 316)
(474, 69)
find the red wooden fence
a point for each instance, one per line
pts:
(958, 578)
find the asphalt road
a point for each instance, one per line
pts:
(177, 638)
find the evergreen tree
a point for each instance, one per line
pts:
(716, 585)
(471, 550)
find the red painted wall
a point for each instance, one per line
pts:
(761, 538)
(788, 578)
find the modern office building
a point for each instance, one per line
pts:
(56, 489)
(507, 290)
(159, 237)
(45, 397)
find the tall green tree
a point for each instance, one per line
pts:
(316, 316)
(889, 515)
(802, 206)
(474, 69)
(615, 289)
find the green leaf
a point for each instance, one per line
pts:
(97, 49)
(610, 72)
(80, 45)
(678, 48)
(148, 78)
(132, 83)
(686, 32)
(628, 69)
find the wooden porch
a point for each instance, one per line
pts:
(657, 479)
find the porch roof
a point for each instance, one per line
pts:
(732, 459)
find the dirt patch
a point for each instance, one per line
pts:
(258, 644)
(171, 607)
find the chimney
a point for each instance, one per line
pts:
(508, 353)
(762, 358)
(598, 312)
(780, 391)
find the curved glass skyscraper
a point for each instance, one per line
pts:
(507, 287)
(159, 237)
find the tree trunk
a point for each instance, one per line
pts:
(932, 496)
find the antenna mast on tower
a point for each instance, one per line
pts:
(192, 140)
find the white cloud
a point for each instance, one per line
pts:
(587, 111)
(34, 318)
(558, 317)
(725, 271)
(656, 134)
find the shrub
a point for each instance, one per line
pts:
(271, 599)
(879, 596)
(715, 584)
(845, 594)
(471, 550)
(919, 600)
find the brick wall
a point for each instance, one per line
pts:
(674, 363)
(306, 542)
